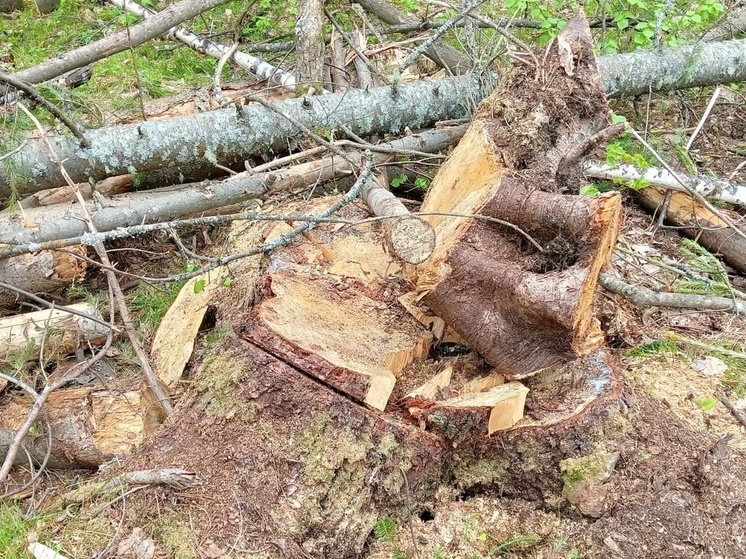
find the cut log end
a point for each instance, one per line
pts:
(412, 239)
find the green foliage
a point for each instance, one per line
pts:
(385, 529)
(706, 404)
(711, 277)
(520, 542)
(151, 303)
(655, 348)
(13, 530)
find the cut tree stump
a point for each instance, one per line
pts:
(329, 308)
(524, 308)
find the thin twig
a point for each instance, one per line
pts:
(731, 408)
(36, 96)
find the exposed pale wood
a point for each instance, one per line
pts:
(327, 310)
(432, 387)
(496, 409)
(441, 331)
(65, 332)
(700, 224)
(89, 425)
(483, 383)
(174, 339)
(41, 272)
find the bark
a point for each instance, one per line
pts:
(228, 135)
(309, 46)
(364, 75)
(55, 223)
(732, 25)
(697, 222)
(231, 134)
(338, 64)
(705, 185)
(697, 65)
(202, 45)
(41, 272)
(118, 41)
(440, 53)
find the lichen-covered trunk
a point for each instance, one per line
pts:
(309, 46)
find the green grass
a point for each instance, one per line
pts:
(13, 531)
(150, 304)
(658, 347)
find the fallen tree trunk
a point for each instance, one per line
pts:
(88, 426)
(61, 332)
(705, 185)
(696, 222)
(232, 134)
(132, 209)
(41, 272)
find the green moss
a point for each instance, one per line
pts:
(176, 535)
(584, 468)
(219, 377)
(485, 471)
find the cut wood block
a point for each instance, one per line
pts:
(483, 383)
(432, 387)
(329, 308)
(174, 340)
(496, 409)
(64, 331)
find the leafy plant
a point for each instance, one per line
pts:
(385, 529)
(706, 404)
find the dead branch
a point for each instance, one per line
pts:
(644, 297)
(441, 53)
(117, 42)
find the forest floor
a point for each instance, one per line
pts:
(658, 470)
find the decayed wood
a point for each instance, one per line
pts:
(521, 308)
(410, 238)
(64, 332)
(327, 310)
(697, 222)
(89, 425)
(41, 272)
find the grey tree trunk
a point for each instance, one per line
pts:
(59, 222)
(309, 46)
(231, 134)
